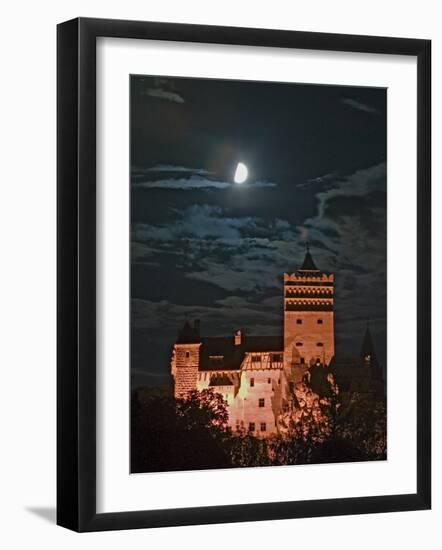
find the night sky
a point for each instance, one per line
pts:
(205, 247)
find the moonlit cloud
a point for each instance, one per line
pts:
(172, 169)
(159, 93)
(348, 234)
(359, 183)
(197, 182)
(245, 253)
(359, 106)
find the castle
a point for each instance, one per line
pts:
(256, 374)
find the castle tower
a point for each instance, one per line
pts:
(185, 360)
(308, 315)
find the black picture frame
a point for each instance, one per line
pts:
(76, 274)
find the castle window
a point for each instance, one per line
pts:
(320, 344)
(277, 358)
(269, 380)
(256, 358)
(252, 382)
(261, 402)
(279, 381)
(299, 321)
(302, 360)
(299, 344)
(187, 354)
(251, 426)
(263, 426)
(319, 321)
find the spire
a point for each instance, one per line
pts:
(308, 264)
(368, 354)
(367, 349)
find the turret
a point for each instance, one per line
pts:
(185, 360)
(308, 315)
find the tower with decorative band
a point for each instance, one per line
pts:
(308, 315)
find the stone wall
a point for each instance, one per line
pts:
(185, 362)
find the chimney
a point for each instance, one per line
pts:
(238, 336)
(196, 326)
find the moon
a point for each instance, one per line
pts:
(241, 173)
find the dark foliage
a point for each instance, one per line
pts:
(176, 435)
(192, 434)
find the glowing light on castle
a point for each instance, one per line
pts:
(256, 375)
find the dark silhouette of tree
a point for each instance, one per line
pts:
(204, 408)
(320, 426)
(246, 450)
(169, 434)
(364, 423)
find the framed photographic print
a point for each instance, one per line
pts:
(243, 274)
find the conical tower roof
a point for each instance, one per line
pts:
(308, 263)
(367, 348)
(368, 354)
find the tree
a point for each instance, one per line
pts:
(204, 408)
(169, 434)
(310, 416)
(364, 423)
(306, 423)
(246, 450)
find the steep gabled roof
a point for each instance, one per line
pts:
(221, 353)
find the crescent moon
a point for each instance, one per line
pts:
(241, 173)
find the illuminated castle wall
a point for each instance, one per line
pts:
(309, 334)
(256, 374)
